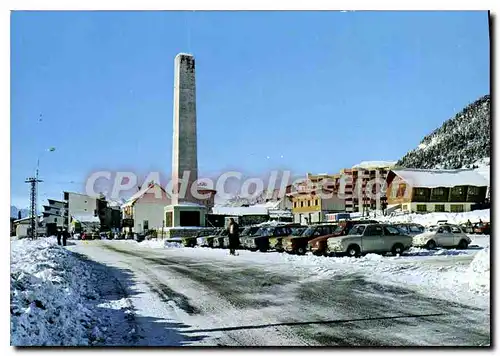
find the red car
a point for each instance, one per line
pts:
(318, 245)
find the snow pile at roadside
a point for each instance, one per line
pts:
(50, 295)
(159, 243)
(433, 218)
(479, 272)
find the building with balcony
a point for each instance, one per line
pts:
(315, 197)
(434, 190)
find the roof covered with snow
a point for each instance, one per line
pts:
(144, 190)
(375, 164)
(432, 178)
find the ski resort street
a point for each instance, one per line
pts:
(180, 296)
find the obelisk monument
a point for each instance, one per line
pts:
(185, 154)
(185, 209)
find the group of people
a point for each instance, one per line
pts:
(62, 235)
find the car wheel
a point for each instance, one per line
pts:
(353, 251)
(431, 245)
(463, 245)
(301, 251)
(397, 249)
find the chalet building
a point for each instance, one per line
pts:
(315, 197)
(433, 190)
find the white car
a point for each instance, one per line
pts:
(369, 238)
(443, 236)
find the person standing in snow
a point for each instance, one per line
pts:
(234, 238)
(65, 236)
(59, 235)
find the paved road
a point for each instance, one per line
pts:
(177, 299)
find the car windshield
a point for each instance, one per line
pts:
(264, 231)
(298, 231)
(245, 231)
(309, 231)
(357, 230)
(339, 228)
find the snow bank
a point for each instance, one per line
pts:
(479, 272)
(50, 296)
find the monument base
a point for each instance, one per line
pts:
(185, 214)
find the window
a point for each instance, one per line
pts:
(416, 228)
(391, 231)
(473, 191)
(302, 204)
(444, 230)
(457, 208)
(439, 208)
(457, 190)
(403, 228)
(308, 203)
(421, 207)
(294, 204)
(316, 202)
(374, 230)
(357, 230)
(456, 230)
(146, 224)
(404, 207)
(420, 192)
(438, 192)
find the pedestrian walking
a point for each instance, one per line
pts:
(234, 238)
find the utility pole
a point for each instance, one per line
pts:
(33, 181)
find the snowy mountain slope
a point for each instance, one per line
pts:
(459, 143)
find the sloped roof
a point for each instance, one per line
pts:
(144, 190)
(433, 178)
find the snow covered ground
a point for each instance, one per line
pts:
(51, 296)
(157, 293)
(455, 273)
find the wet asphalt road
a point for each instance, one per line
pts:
(229, 303)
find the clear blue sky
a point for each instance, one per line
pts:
(325, 90)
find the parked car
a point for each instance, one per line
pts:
(443, 236)
(276, 242)
(206, 240)
(298, 243)
(260, 241)
(218, 240)
(482, 228)
(411, 229)
(139, 237)
(370, 238)
(318, 245)
(246, 237)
